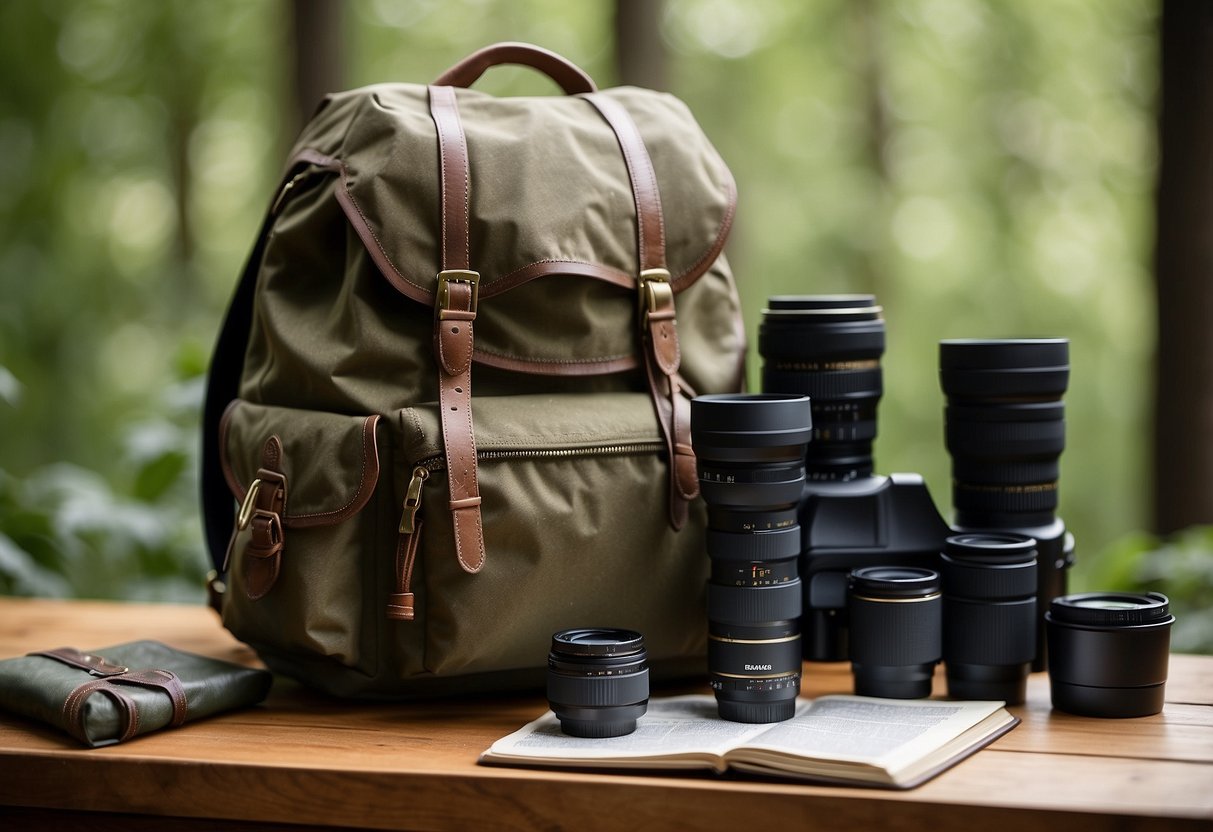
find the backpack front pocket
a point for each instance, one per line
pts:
(303, 552)
(573, 497)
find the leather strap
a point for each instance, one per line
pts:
(456, 180)
(454, 336)
(262, 559)
(650, 221)
(128, 711)
(157, 679)
(400, 604)
(73, 710)
(568, 75)
(96, 665)
(658, 325)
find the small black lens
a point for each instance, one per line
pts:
(1108, 653)
(895, 630)
(828, 347)
(750, 455)
(598, 681)
(989, 615)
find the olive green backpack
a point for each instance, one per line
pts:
(377, 529)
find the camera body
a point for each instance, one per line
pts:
(867, 521)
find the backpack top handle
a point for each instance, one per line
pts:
(564, 72)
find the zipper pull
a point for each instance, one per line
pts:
(412, 500)
(280, 199)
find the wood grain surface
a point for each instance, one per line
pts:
(303, 759)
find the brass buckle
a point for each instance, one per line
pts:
(456, 276)
(656, 293)
(246, 508)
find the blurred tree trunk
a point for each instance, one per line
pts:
(639, 51)
(872, 265)
(318, 55)
(1183, 399)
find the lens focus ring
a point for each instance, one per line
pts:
(599, 691)
(989, 633)
(755, 604)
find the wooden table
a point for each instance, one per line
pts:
(303, 759)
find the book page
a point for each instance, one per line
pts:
(884, 732)
(673, 726)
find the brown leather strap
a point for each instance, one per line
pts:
(96, 665)
(73, 710)
(156, 679)
(568, 75)
(454, 337)
(400, 604)
(262, 559)
(659, 327)
(650, 222)
(455, 177)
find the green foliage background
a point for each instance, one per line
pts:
(985, 169)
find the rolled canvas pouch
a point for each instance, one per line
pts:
(111, 695)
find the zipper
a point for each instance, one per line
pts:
(423, 468)
(410, 524)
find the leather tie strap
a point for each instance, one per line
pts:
(262, 559)
(111, 677)
(659, 327)
(454, 313)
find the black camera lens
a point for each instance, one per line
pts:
(1108, 653)
(1005, 429)
(828, 348)
(598, 681)
(989, 615)
(750, 454)
(895, 630)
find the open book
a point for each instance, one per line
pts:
(854, 740)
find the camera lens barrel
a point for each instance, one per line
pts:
(895, 620)
(1108, 653)
(989, 615)
(598, 681)
(1005, 428)
(828, 347)
(750, 455)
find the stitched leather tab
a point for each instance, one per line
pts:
(400, 606)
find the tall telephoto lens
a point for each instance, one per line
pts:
(895, 630)
(1108, 653)
(598, 681)
(1005, 429)
(828, 348)
(750, 453)
(989, 615)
